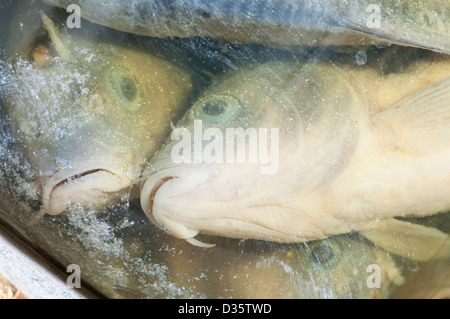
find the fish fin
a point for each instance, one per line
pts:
(53, 33)
(432, 281)
(420, 122)
(409, 240)
(384, 26)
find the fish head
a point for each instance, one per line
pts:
(345, 266)
(252, 142)
(337, 267)
(89, 119)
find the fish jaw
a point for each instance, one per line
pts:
(164, 185)
(187, 201)
(95, 182)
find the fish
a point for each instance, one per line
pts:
(432, 281)
(337, 267)
(348, 150)
(423, 24)
(88, 108)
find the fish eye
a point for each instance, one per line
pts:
(215, 107)
(325, 255)
(128, 88)
(218, 109)
(125, 88)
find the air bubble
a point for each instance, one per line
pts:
(361, 58)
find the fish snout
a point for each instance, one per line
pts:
(185, 201)
(164, 195)
(93, 183)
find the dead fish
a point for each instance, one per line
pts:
(424, 24)
(353, 150)
(88, 113)
(431, 282)
(338, 267)
(432, 279)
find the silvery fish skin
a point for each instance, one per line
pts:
(89, 112)
(424, 24)
(354, 150)
(337, 267)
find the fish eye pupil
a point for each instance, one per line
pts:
(128, 88)
(321, 254)
(218, 109)
(215, 107)
(125, 88)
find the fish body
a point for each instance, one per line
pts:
(354, 149)
(424, 24)
(432, 281)
(337, 267)
(88, 110)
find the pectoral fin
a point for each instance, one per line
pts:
(409, 240)
(421, 121)
(432, 281)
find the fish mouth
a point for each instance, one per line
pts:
(86, 184)
(157, 197)
(155, 189)
(184, 202)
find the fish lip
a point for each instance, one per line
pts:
(149, 191)
(149, 207)
(177, 216)
(80, 175)
(116, 177)
(151, 186)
